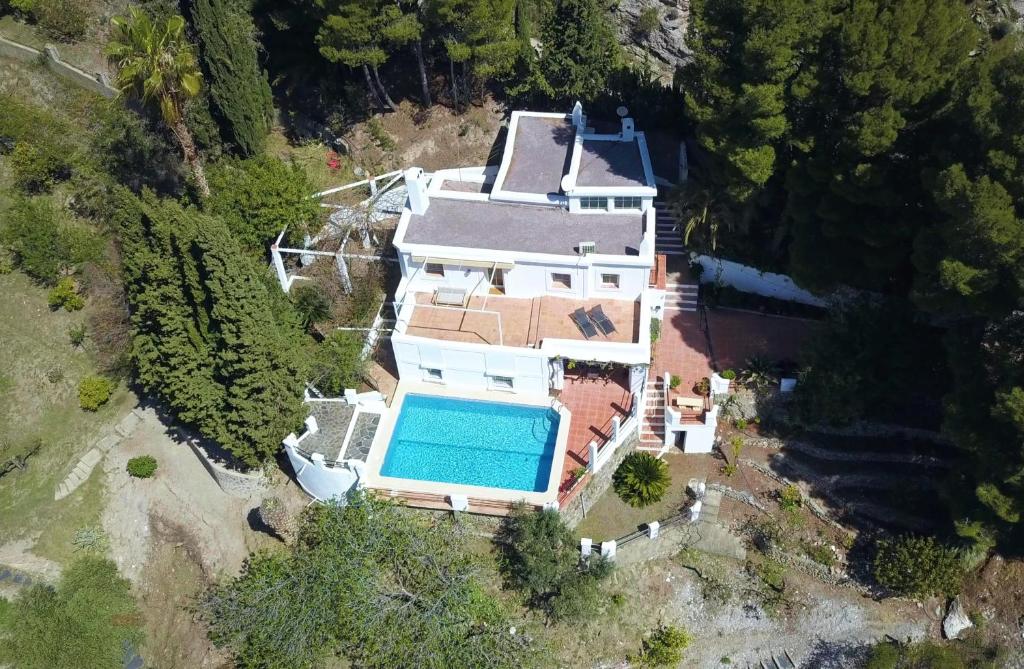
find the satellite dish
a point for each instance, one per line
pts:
(622, 111)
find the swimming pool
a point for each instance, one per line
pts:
(473, 442)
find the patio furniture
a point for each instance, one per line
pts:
(583, 323)
(450, 297)
(603, 323)
(694, 403)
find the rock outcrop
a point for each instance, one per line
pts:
(956, 620)
(664, 47)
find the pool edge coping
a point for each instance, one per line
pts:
(396, 486)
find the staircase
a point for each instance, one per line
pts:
(681, 296)
(652, 427)
(668, 237)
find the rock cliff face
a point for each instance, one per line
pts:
(664, 45)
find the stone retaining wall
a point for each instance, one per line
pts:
(50, 57)
(596, 484)
(232, 481)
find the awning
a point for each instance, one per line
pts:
(463, 263)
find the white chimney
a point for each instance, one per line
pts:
(627, 129)
(416, 184)
(577, 114)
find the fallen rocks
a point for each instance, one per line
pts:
(956, 620)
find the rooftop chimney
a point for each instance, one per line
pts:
(416, 185)
(577, 115)
(627, 129)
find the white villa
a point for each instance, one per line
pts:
(535, 283)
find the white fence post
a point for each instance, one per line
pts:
(282, 274)
(616, 426)
(592, 448)
(653, 529)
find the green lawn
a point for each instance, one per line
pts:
(608, 517)
(35, 404)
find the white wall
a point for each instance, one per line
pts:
(465, 365)
(533, 279)
(751, 280)
(317, 479)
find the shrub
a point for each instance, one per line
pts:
(641, 479)
(917, 566)
(728, 374)
(65, 294)
(45, 244)
(94, 391)
(703, 387)
(380, 136)
(674, 382)
(6, 261)
(649, 20)
(655, 330)
(90, 538)
(275, 516)
(664, 648)
(65, 20)
(55, 375)
(820, 553)
(338, 363)
(790, 498)
(36, 166)
(76, 335)
(142, 467)
(741, 423)
(312, 305)
(259, 197)
(92, 608)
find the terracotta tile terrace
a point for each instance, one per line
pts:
(525, 322)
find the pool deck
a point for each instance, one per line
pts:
(481, 499)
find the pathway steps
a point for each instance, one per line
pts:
(83, 468)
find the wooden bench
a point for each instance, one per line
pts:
(694, 403)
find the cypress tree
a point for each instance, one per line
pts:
(237, 84)
(579, 50)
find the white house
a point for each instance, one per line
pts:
(508, 274)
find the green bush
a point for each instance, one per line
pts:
(741, 423)
(65, 294)
(45, 244)
(311, 303)
(94, 391)
(674, 381)
(380, 135)
(64, 20)
(259, 197)
(655, 330)
(338, 363)
(790, 498)
(728, 374)
(37, 165)
(91, 609)
(649, 20)
(76, 335)
(641, 479)
(917, 566)
(664, 648)
(142, 467)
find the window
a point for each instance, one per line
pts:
(433, 375)
(434, 269)
(593, 202)
(609, 280)
(502, 382)
(561, 281)
(627, 203)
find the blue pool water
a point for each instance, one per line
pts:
(472, 443)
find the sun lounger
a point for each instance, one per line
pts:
(583, 323)
(450, 297)
(603, 323)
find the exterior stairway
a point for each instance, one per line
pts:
(652, 427)
(668, 237)
(681, 296)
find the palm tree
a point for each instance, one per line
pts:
(157, 64)
(641, 479)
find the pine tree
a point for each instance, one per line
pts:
(237, 84)
(578, 50)
(353, 34)
(854, 196)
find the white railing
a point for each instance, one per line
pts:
(621, 432)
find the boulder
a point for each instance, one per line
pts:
(956, 620)
(665, 45)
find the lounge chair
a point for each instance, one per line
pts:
(603, 323)
(583, 323)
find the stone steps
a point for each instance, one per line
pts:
(85, 465)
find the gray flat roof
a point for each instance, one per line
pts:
(528, 229)
(611, 164)
(333, 419)
(541, 152)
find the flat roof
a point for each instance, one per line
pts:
(528, 229)
(610, 163)
(541, 151)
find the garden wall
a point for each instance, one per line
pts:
(752, 280)
(596, 485)
(232, 481)
(50, 57)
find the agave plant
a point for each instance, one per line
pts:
(641, 479)
(759, 373)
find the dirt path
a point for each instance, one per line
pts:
(171, 535)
